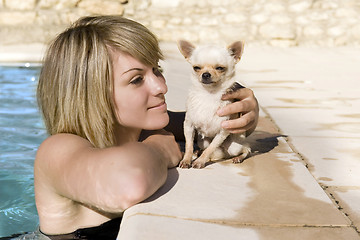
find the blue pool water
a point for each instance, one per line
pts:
(21, 132)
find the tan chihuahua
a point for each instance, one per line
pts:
(213, 75)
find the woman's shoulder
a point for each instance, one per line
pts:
(60, 146)
(63, 141)
(56, 156)
(64, 138)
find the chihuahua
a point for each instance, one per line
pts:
(213, 75)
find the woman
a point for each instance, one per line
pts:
(102, 97)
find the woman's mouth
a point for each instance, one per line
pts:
(161, 106)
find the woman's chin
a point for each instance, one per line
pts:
(159, 123)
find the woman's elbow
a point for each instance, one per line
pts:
(139, 187)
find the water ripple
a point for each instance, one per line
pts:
(21, 132)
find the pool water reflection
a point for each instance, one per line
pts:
(21, 132)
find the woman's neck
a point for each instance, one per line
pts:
(124, 135)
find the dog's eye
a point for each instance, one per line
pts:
(197, 68)
(159, 69)
(221, 69)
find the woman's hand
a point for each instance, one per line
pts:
(246, 104)
(165, 143)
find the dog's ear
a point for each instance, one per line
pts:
(186, 48)
(236, 49)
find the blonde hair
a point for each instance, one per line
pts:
(75, 89)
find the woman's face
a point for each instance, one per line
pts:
(139, 93)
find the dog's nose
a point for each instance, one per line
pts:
(206, 76)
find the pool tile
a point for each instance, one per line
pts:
(333, 161)
(315, 122)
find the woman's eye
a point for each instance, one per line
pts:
(137, 81)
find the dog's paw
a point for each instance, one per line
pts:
(185, 164)
(238, 159)
(233, 88)
(244, 154)
(198, 164)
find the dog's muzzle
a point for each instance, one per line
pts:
(206, 78)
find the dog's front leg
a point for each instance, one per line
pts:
(215, 143)
(189, 132)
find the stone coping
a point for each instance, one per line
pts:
(22, 53)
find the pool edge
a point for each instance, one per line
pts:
(21, 54)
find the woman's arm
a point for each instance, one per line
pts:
(110, 179)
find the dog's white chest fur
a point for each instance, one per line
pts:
(201, 109)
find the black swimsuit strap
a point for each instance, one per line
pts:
(108, 230)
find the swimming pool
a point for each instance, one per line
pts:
(21, 132)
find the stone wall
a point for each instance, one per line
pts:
(271, 22)
(38, 21)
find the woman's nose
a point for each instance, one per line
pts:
(158, 85)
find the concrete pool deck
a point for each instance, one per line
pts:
(303, 179)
